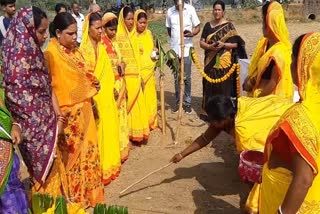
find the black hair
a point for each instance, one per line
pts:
(38, 15)
(111, 23)
(220, 107)
(126, 11)
(221, 3)
(265, 11)
(142, 15)
(61, 22)
(59, 6)
(6, 2)
(73, 3)
(94, 17)
(296, 46)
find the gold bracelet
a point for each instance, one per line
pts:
(17, 124)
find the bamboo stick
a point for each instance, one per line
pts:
(180, 3)
(163, 112)
(149, 174)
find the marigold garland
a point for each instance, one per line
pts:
(234, 68)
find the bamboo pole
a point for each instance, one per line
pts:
(163, 112)
(180, 3)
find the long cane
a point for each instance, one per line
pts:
(145, 177)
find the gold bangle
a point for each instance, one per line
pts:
(17, 124)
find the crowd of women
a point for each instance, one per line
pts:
(267, 119)
(73, 110)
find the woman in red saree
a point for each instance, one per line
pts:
(31, 100)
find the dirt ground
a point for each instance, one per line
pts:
(206, 181)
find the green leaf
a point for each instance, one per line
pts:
(122, 210)
(190, 54)
(40, 203)
(61, 205)
(98, 209)
(112, 210)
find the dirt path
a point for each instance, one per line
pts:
(205, 182)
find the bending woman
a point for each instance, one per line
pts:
(222, 115)
(290, 180)
(110, 23)
(98, 60)
(147, 66)
(222, 47)
(31, 100)
(137, 113)
(269, 70)
(75, 85)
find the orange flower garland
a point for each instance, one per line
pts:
(238, 81)
(234, 68)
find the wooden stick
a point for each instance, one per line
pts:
(181, 70)
(163, 112)
(151, 173)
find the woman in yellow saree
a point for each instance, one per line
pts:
(147, 66)
(95, 53)
(290, 180)
(137, 113)
(108, 38)
(269, 73)
(74, 86)
(269, 70)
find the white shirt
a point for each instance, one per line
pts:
(190, 20)
(80, 20)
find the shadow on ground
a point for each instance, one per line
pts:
(217, 181)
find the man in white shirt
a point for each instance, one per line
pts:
(79, 18)
(191, 26)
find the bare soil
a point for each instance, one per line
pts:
(204, 182)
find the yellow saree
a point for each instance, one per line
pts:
(108, 122)
(120, 86)
(279, 53)
(255, 118)
(72, 84)
(301, 125)
(136, 106)
(147, 68)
